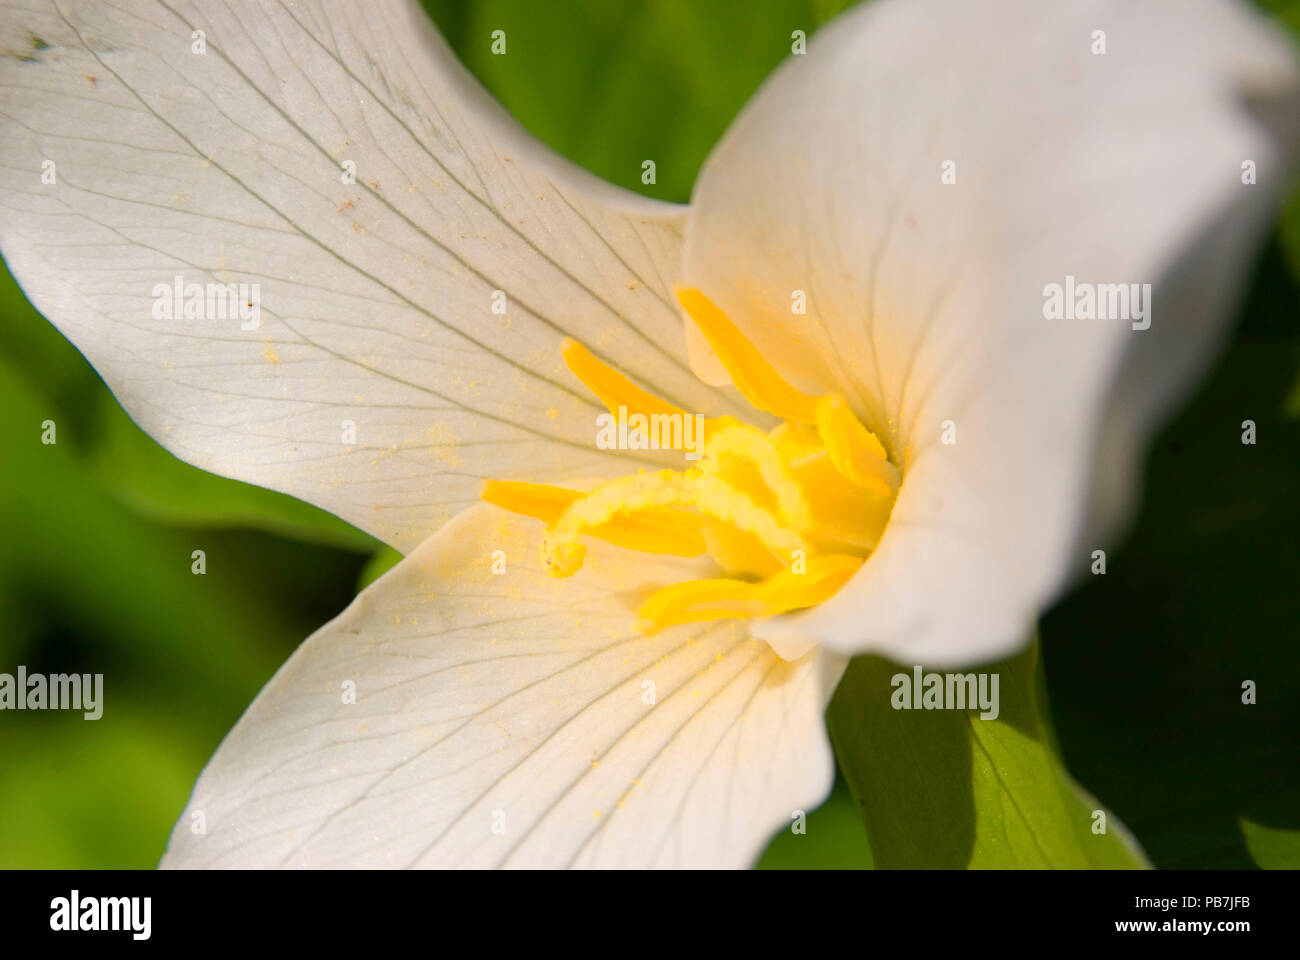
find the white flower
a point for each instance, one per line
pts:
(920, 177)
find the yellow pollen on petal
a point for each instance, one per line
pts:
(787, 515)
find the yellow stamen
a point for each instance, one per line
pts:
(856, 452)
(854, 449)
(699, 600)
(812, 496)
(753, 376)
(539, 500)
(735, 439)
(846, 518)
(669, 531)
(716, 498)
(741, 554)
(795, 442)
(613, 389)
(563, 555)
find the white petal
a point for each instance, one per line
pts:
(376, 296)
(518, 701)
(926, 299)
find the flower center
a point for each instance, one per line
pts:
(788, 514)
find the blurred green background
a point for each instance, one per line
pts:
(1144, 665)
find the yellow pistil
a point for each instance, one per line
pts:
(789, 515)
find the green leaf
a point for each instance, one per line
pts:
(947, 789)
(1271, 847)
(832, 838)
(380, 562)
(88, 586)
(137, 765)
(1147, 664)
(576, 73)
(1291, 405)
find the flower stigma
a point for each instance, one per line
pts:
(788, 514)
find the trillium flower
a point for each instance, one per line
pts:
(597, 656)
